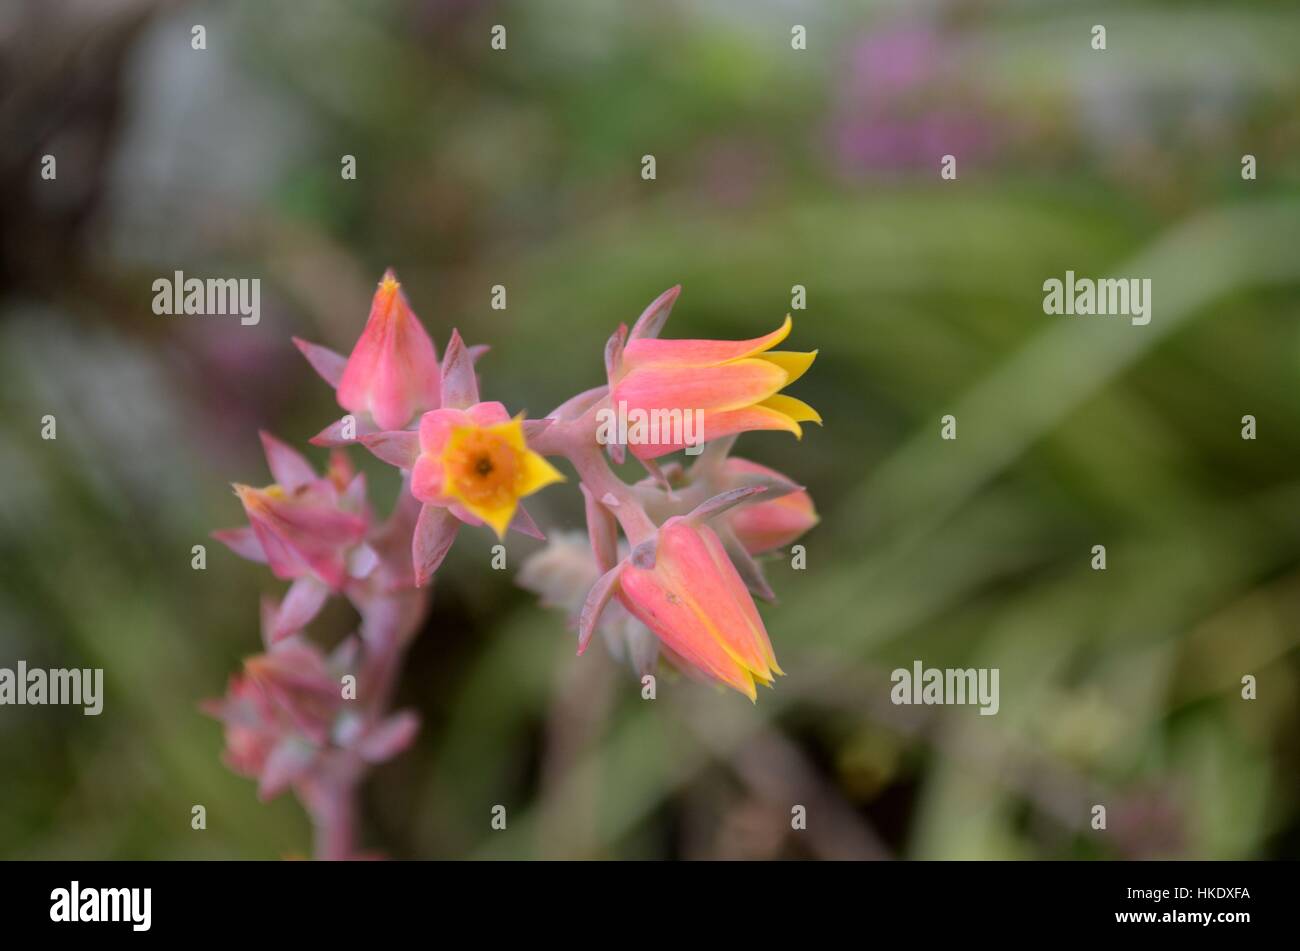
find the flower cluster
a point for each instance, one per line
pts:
(668, 570)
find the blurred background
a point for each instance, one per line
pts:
(775, 167)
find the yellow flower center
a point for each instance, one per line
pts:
(484, 468)
(488, 469)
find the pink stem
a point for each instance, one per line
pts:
(575, 440)
(333, 812)
(331, 798)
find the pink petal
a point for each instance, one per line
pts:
(731, 386)
(614, 354)
(724, 502)
(731, 578)
(323, 360)
(301, 604)
(285, 563)
(698, 353)
(287, 762)
(693, 559)
(332, 435)
(400, 447)
(770, 525)
(597, 598)
(353, 498)
(488, 414)
(287, 465)
(435, 530)
(652, 319)
(436, 427)
(243, 542)
(718, 425)
(426, 479)
(465, 515)
(675, 621)
(389, 738)
(459, 385)
(750, 571)
(523, 524)
(303, 531)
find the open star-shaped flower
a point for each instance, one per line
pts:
(476, 462)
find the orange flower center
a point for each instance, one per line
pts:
(484, 468)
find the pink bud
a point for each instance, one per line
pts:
(303, 526)
(251, 728)
(696, 603)
(304, 532)
(393, 372)
(278, 715)
(764, 526)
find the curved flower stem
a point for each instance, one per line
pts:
(612, 492)
(575, 440)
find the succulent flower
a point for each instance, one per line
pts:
(286, 720)
(684, 587)
(694, 600)
(735, 384)
(278, 715)
(309, 530)
(476, 462)
(392, 375)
